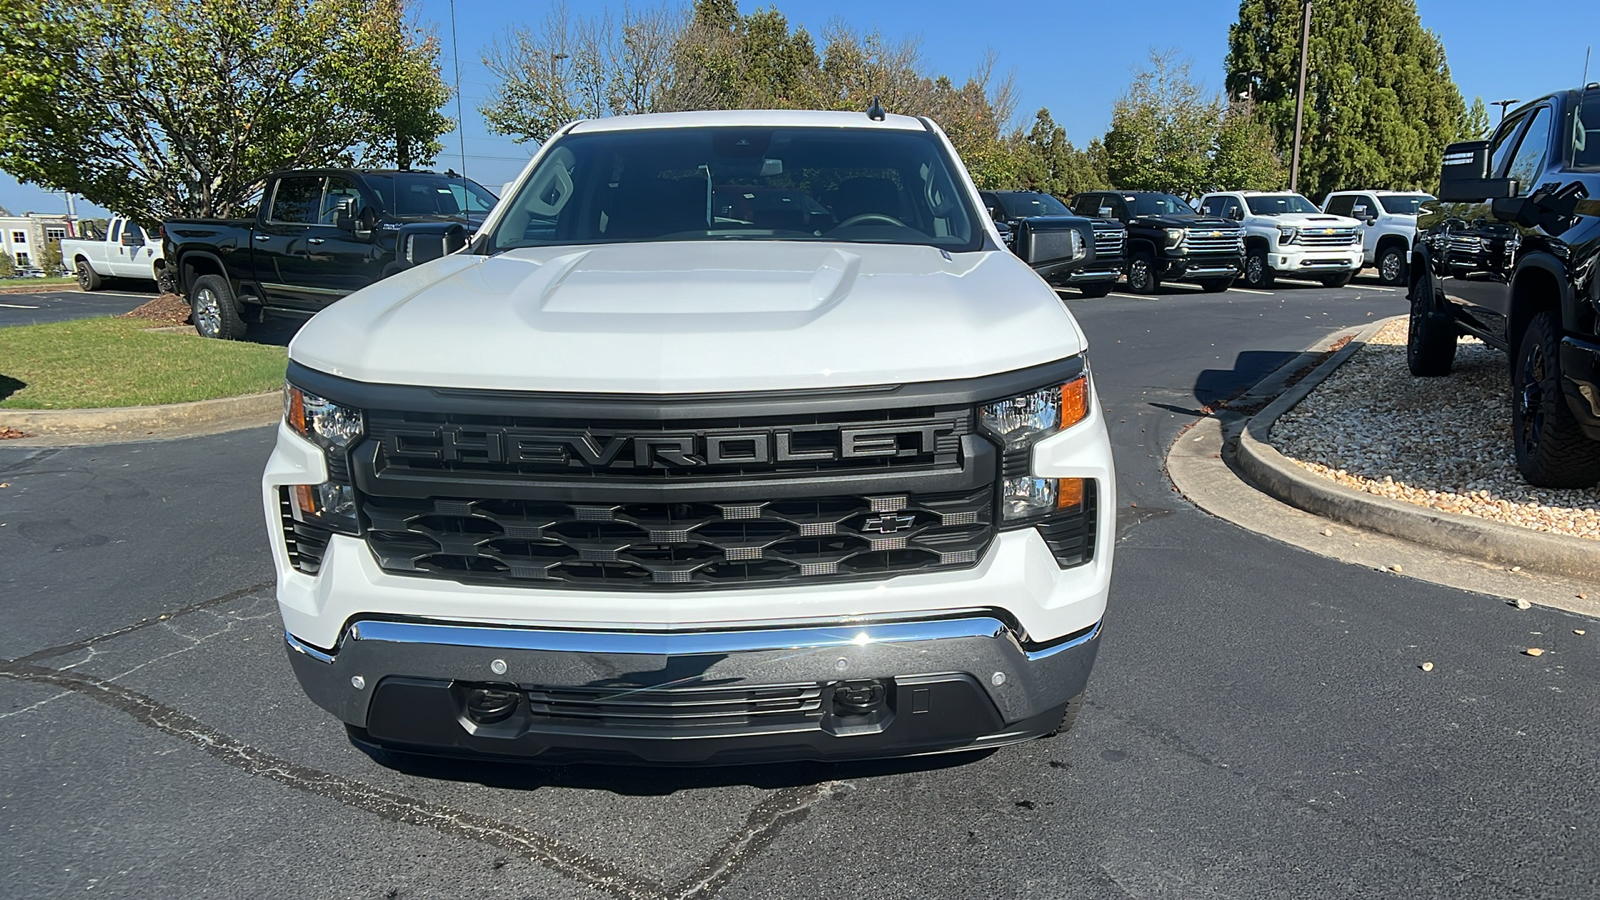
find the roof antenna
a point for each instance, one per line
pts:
(875, 111)
(1579, 133)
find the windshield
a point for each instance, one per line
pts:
(1157, 205)
(1406, 205)
(1022, 204)
(740, 183)
(1278, 204)
(428, 194)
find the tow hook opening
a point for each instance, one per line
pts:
(488, 704)
(859, 706)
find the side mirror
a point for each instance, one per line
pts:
(1236, 214)
(344, 215)
(1372, 220)
(130, 240)
(1464, 177)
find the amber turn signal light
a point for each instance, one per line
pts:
(1074, 401)
(1069, 493)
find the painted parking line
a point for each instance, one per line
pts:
(1130, 296)
(17, 306)
(1234, 290)
(1373, 287)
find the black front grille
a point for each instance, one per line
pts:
(689, 709)
(679, 545)
(306, 543)
(909, 439)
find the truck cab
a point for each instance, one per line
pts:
(1509, 256)
(318, 235)
(1286, 234)
(1388, 225)
(1168, 240)
(126, 250)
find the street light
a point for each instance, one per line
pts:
(1300, 97)
(1503, 104)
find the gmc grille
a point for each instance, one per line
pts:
(682, 545)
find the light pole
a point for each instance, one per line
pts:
(1300, 97)
(1503, 104)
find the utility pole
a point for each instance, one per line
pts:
(1300, 97)
(1503, 104)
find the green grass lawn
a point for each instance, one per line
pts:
(34, 282)
(90, 363)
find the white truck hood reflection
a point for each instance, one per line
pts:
(693, 317)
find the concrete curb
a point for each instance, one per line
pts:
(1279, 477)
(38, 289)
(93, 426)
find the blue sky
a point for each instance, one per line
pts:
(1073, 57)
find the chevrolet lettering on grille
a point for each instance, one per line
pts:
(595, 450)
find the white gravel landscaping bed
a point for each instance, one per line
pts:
(1438, 442)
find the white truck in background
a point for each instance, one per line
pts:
(125, 251)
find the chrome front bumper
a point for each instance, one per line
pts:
(394, 680)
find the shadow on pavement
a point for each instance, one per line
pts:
(1213, 386)
(652, 781)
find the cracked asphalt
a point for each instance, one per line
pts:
(1257, 723)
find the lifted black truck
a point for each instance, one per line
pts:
(1030, 221)
(1168, 240)
(1509, 255)
(317, 235)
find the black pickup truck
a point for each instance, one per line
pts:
(1168, 240)
(1039, 228)
(1510, 255)
(318, 234)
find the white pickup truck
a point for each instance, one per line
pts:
(125, 252)
(732, 436)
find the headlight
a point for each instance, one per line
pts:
(331, 504)
(1287, 234)
(1019, 423)
(1175, 237)
(1079, 249)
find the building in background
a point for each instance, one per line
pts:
(25, 238)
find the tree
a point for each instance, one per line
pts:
(1380, 102)
(1245, 158)
(8, 267)
(1163, 129)
(1476, 122)
(51, 263)
(1047, 161)
(162, 108)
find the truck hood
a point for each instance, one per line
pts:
(692, 317)
(1312, 220)
(1186, 221)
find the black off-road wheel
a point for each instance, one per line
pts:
(1216, 285)
(1096, 289)
(213, 310)
(1338, 281)
(1069, 717)
(1551, 448)
(1430, 335)
(1142, 278)
(87, 278)
(1392, 265)
(1257, 273)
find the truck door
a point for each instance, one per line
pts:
(279, 248)
(133, 254)
(338, 261)
(1480, 257)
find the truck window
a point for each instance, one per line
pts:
(1232, 210)
(1586, 133)
(1531, 152)
(133, 233)
(1341, 206)
(1500, 145)
(1022, 206)
(339, 188)
(116, 231)
(296, 199)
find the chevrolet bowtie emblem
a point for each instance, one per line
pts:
(1327, 231)
(888, 524)
(1216, 234)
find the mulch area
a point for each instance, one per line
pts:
(167, 309)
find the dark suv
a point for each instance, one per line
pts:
(1168, 240)
(1021, 215)
(1509, 256)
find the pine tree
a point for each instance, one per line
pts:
(1380, 102)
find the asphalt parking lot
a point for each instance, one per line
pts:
(59, 306)
(1257, 724)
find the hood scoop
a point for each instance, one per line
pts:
(664, 279)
